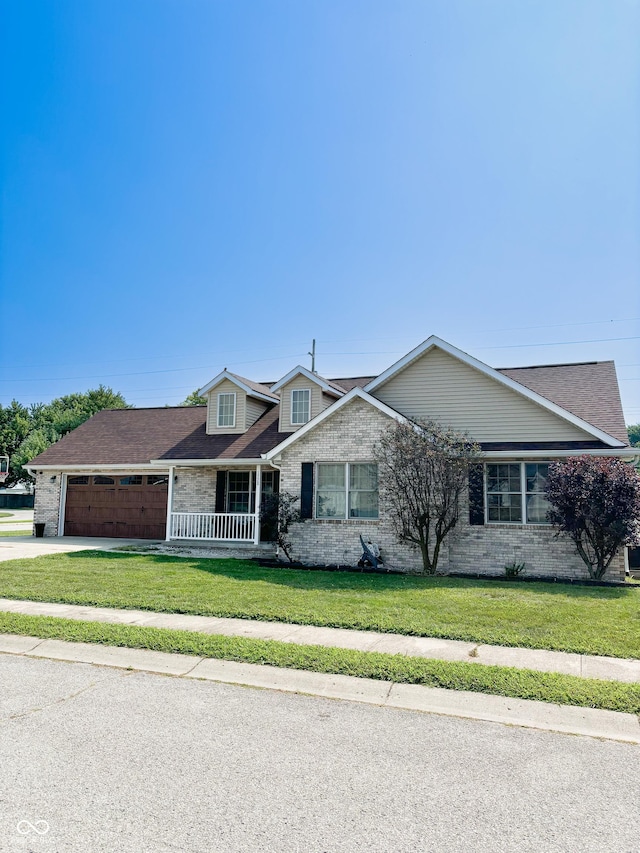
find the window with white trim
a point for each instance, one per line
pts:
(346, 490)
(515, 492)
(537, 504)
(227, 409)
(239, 491)
(300, 406)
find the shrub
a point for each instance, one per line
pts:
(596, 502)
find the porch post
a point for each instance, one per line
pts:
(170, 502)
(62, 505)
(256, 535)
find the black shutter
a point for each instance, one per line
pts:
(476, 494)
(221, 489)
(306, 492)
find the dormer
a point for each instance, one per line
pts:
(234, 403)
(303, 395)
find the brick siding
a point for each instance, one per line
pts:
(47, 501)
(195, 490)
(350, 436)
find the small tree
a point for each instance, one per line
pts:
(194, 399)
(596, 502)
(277, 513)
(633, 431)
(424, 470)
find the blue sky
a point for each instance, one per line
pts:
(194, 184)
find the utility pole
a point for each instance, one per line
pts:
(313, 356)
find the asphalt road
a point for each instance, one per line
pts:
(97, 759)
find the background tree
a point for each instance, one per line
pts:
(66, 413)
(424, 471)
(633, 431)
(26, 432)
(596, 502)
(15, 425)
(194, 400)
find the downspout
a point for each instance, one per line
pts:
(169, 503)
(258, 501)
(62, 506)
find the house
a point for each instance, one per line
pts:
(201, 473)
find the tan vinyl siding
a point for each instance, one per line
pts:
(254, 408)
(226, 387)
(298, 383)
(440, 387)
(327, 400)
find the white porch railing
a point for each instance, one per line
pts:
(214, 526)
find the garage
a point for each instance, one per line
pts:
(123, 507)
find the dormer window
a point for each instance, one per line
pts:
(300, 406)
(227, 410)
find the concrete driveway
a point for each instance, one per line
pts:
(18, 547)
(16, 519)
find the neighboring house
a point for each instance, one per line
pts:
(200, 473)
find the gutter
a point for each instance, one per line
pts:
(628, 454)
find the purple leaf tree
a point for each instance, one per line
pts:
(596, 502)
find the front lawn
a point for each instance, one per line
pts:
(590, 620)
(497, 680)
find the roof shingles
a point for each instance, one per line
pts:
(136, 436)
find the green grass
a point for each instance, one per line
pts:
(496, 680)
(5, 514)
(589, 620)
(26, 532)
(18, 521)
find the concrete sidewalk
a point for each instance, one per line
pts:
(585, 666)
(523, 713)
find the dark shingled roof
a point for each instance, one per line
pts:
(353, 382)
(255, 386)
(135, 436)
(588, 390)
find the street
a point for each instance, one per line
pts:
(98, 759)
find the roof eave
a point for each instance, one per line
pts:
(250, 392)
(626, 453)
(210, 463)
(299, 370)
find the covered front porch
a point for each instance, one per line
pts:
(209, 503)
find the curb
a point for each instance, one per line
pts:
(523, 713)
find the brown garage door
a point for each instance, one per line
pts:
(132, 507)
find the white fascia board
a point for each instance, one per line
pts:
(434, 341)
(628, 454)
(328, 412)
(248, 391)
(96, 466)
(299, 370)
(212, 463)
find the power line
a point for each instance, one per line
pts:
(561, 343)
(146, 372)
(155, 357)
(501, 346)
(227, 352)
